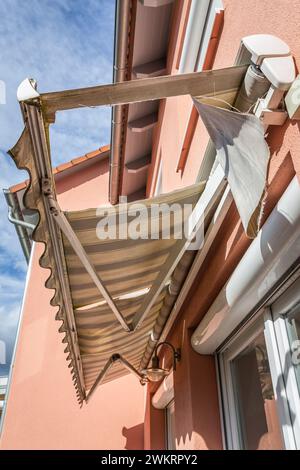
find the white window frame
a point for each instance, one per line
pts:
(170, 407)
(278, 382)
(232, 349)
(271, 321)
(284, 371)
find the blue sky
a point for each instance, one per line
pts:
(62, 44)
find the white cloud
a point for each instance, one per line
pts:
(62, 44)
(79, 131)
(10, 287)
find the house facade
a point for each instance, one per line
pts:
(231, 306)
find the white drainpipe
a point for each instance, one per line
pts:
(193, 35)
(15, 221)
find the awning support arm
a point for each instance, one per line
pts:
(111, 361)
(133, 370)
(67, 230)
(100, 377)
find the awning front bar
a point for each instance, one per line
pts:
(205, 83)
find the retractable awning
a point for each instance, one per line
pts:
(113, 296)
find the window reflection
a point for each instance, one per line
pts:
(256, 405)
(293, 327)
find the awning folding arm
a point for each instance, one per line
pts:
(114, 358)
(67, 230)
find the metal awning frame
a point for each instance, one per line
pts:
(39, 111)
(208, 83)
(40, 142)
(34, 113)
(64, 225)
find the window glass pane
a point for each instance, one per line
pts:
(293, 327)
(256, 407)
(170, 415)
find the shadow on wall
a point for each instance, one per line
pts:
(197, 423)
(134, 437)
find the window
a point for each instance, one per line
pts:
(284, 314)
(292, 321)
(252, 409)
(170, 426)
(259, 376)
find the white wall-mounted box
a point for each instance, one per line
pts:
(292, 99)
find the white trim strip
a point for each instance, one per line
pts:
(20, 322)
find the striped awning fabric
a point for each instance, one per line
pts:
(129, 269)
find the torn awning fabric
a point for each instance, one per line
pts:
(244, 156)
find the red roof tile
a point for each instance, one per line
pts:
(65, 166)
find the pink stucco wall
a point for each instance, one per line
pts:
(38, 412)
(42, 410)
(197, 418)
(241, 18)
(84, 186)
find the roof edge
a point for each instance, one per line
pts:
(102, 151)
